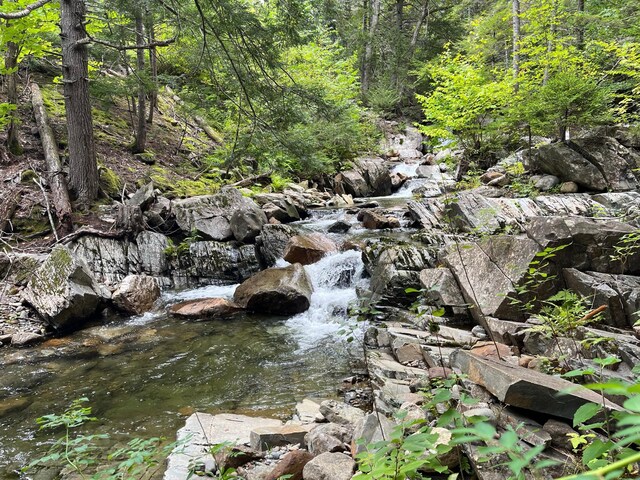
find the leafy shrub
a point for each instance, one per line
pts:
(465, 103)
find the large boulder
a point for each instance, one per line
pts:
(489, 271)
(308, 249)
(328, 437)
(160, 216)
(63, 291)
(616, 162)
(282, 207)
(291, 466)
(471, 212)
(352, 183)
(329, 466)
(620, 293)
(590, 243)
(441, 290)
(474, 212)
(377, 220)
(109, 259)
(369, 177)
(209, 215)
(208, 261)
(246, 224)
(394, 268)
(525, 388)
(369, 430)
(136, 294)
(340, 412)
(281, 291)
(205, 308)
(272, 243)
(570, 166)
(202, 431)
(143, 197)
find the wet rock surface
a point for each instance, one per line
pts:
(205, 308)
(283, 291)
(308, 249)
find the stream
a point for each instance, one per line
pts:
(144, 375)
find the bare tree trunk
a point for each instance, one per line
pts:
(550, 42)
(395, 74)
(367, 70)
(141, 129)
(11, 66)
(365, 30)
(516, 41)
(56, 177)
(153, 64)
(83, 169)
(580, 28)
(424, 16)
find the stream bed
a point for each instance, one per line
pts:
(144, 375)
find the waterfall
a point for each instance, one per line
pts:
(335, 279)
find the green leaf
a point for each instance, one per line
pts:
(605, 362)
(632, 404)
(585, 412)
(595, 450)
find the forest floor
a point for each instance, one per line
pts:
(175, 160)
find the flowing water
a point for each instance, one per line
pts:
(143, 375)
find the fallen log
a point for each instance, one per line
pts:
(257, 179)
(55, 175)
(201, 122)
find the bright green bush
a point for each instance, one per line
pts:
(466, 104)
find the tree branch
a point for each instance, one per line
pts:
(146, 46)
(23, 13)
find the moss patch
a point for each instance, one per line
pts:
(28, 176)
(168, 184)
(54, 272)
(110, 183)
(30, 226)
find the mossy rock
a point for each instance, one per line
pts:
(54, 272)
(28, 176)
(110, 183)
(146, 157)
(31, 226)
